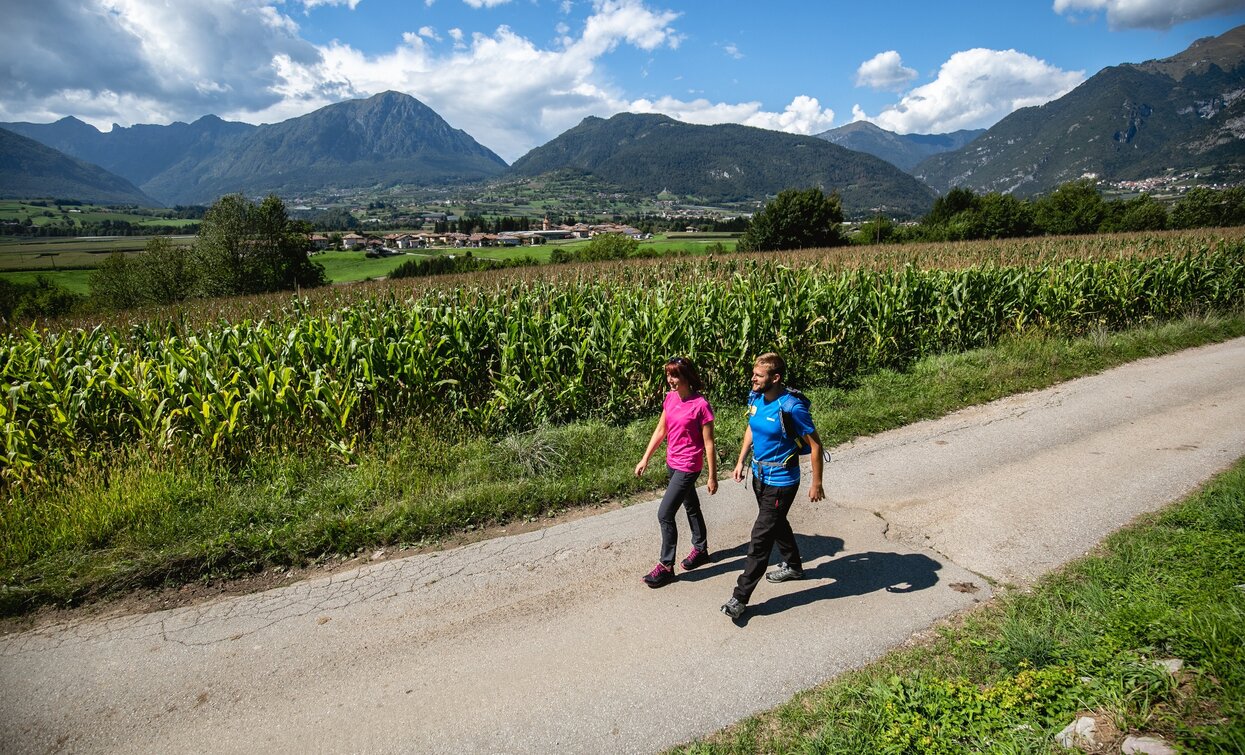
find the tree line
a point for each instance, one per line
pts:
(808, 218)
(1073, 208)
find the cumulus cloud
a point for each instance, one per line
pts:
(974, 89)
(804, 115)
(885, 71)
(144, 59)
(428, 32)
(1148, 14)
(733, 51)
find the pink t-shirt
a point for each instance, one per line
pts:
(685, 441)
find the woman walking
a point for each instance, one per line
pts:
(686, 424)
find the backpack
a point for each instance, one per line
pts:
(787, 405)
(790, 400)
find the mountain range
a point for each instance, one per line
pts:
(380, 141)
(647, 153)
(30, 169)
(903, 151)
(1180, 114)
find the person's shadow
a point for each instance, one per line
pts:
(856, 574)
(812, 547)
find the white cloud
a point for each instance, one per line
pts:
(485, 3)
(974, 89)
(144, 60)
(566, 6)
(427, 32)
(803, 116)
(733, 51)
(885, 71)
(309, 4)
(456, 34)
(1148, 14)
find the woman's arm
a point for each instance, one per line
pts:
(659, 434)
(711, 455)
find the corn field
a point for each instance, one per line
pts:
(512, 354)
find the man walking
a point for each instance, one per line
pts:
(779, 426)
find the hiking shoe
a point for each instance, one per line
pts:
(784, 573)
(696, 558)
(733, 608)
(660, 575)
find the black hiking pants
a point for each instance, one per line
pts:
(680, 491)
(771, 527)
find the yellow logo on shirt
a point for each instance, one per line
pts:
(752, 410)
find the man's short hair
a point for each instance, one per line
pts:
(773, 363)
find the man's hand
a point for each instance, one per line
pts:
(738, 474)
(815, 493)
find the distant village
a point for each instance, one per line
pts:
(394, 242)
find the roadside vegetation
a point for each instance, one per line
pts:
(1086, 641)
(241, 434)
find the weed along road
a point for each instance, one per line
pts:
(549, 642)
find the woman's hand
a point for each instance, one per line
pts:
(713, 486)
(639, 468)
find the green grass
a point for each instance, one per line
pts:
(171, 518)
(77, 281)
(349, 267)
(1009, 677)
(540, 253)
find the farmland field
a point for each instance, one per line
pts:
(72, 252)
(77, 215)
(76, 281)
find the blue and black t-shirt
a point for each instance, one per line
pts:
(778, 454)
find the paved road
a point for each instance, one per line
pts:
(548, 642)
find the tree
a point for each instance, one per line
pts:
(949, 205)
(164, 272)
(608, 246)
(796, 219)
(1074, 207)
(1001, 216)
(247, 248)
(1206, 208)
(115, 282)
(1142, 213)
(878, 230)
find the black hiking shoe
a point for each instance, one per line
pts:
(733, 608)
(696, 558)
(660, 575)
(784, 573)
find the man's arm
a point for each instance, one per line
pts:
(815, 491)
(744, 448)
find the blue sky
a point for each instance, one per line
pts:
(516, 73)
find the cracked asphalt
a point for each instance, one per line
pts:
(548, 641)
